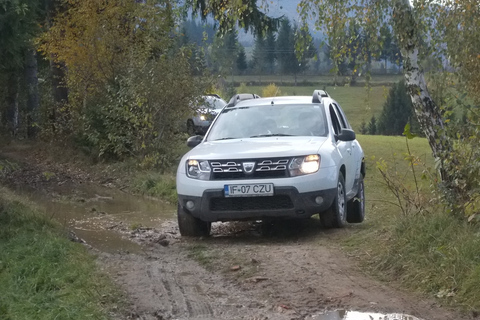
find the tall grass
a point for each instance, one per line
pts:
(432, 252)
(155, 184)
(43, 275)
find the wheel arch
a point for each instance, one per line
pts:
(363, 169)
(343, 170)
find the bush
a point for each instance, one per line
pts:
(271, 91)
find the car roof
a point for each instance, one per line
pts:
(284, 100)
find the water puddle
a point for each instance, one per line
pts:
(354, 315)
(95, 214)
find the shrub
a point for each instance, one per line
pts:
(271, 91)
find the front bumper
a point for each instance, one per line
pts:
(286, 203)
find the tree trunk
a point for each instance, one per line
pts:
(428, 113)
(60, 91)
(57, 70)
(11, 110)
(31, 79)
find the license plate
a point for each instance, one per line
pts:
(248, 190)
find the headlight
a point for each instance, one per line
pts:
(304, 165)
(198, 169)
(203, 117)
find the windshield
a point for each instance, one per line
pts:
(268, 121)
(213, 103)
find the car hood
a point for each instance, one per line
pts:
(257, 148)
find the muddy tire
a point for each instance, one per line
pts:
(190, 128)
(336, 215)
(190, 226)
(356, 206)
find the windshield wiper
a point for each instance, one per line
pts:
(227, 138)
(272, 135)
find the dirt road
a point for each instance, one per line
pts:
(290, 270)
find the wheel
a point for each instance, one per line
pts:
(356, 206)
(190, 226)
(336, 215)
(191, 128)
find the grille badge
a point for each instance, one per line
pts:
(248, 167)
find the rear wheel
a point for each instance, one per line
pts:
(356, 206)
(336, 215)
(190, 226)
(190, 128)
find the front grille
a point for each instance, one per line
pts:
(260, 169)
(251, 203)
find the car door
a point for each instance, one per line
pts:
(339, 123)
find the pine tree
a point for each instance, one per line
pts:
(397, 112)
(372, 125)
(286, 48)
(241, 60)
(257, 62)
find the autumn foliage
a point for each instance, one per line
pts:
(129, 84)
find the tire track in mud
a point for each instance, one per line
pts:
(168, 285)
(168, 291)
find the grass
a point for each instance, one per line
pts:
(155, 184)
(434, 253)
(203, 255)
(359, 103)
(43, 275)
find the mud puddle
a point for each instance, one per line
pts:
(354, 315)
(107, 219)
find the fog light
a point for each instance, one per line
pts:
(319, 200)
(190, 205)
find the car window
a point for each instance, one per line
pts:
(337, 127)
(342, 117)
(277, 120)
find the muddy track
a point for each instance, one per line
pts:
(244, 271)
(296, 274)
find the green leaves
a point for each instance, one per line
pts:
(407, 133)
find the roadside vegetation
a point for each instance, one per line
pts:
(43, 275)
(421, 246)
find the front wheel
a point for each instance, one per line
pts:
(190, 226)
(336, 215)
(356, 206)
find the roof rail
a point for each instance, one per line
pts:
(240, 97)
(213, 95)
(318, 95)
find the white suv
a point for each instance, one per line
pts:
(273, 158)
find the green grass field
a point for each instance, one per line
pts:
(359, 103)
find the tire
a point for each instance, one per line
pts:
(191, 128)
(336, 215)
(190, 226)
(356, 206)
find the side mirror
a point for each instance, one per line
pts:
(194, 141)
(346, 135)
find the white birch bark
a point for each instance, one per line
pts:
(428, 113)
